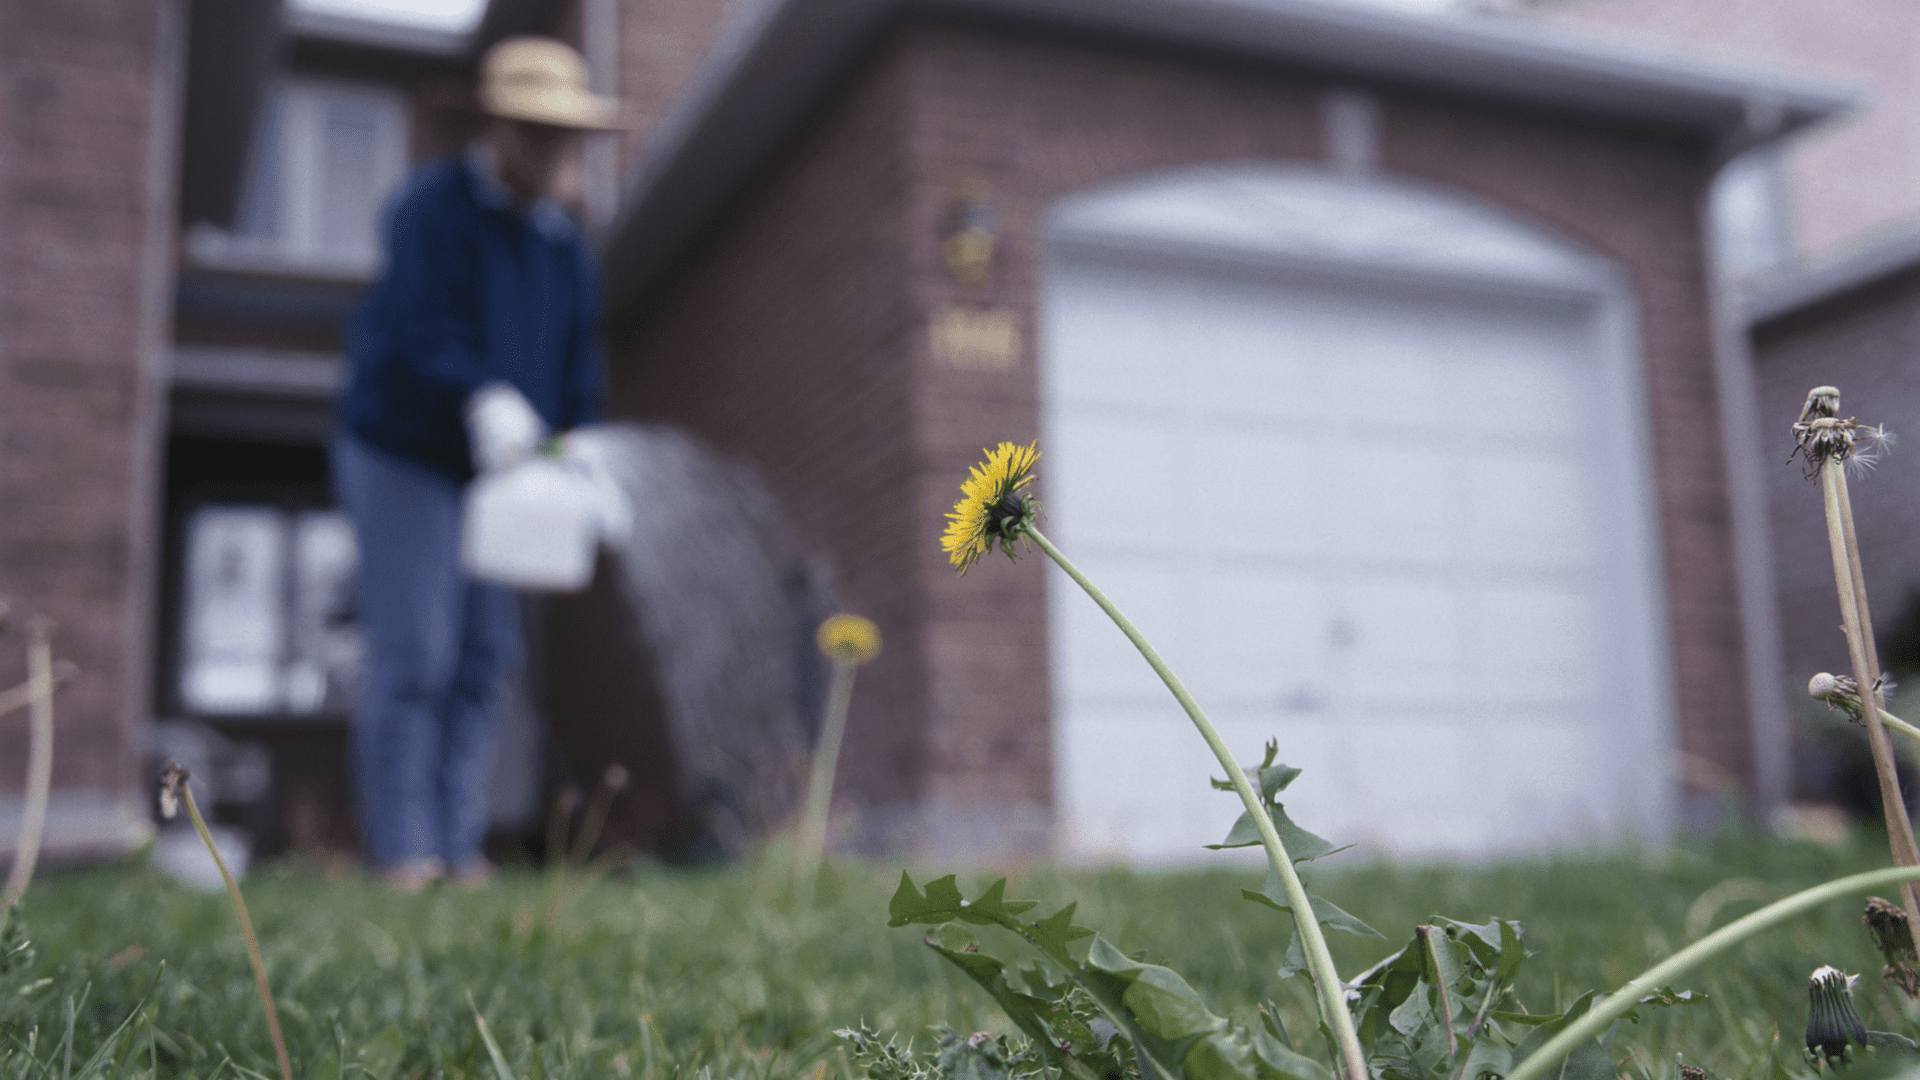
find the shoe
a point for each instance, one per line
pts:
(411, 876)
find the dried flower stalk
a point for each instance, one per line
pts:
(33, 816)
(1828, 444)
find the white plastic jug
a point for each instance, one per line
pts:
(534, 525)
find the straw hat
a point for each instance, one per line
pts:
(542, 80)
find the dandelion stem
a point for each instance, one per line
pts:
(1610, 1008)
(1856, 623)
(1326, 980)
(246, 932)
(33, 816)
(593, 821)
(811, 845)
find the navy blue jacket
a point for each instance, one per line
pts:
(474, 291)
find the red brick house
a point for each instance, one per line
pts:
(1251, 264)
(1374, 358)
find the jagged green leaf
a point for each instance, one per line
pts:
(1327, 913)
(1268, 778)
(1159, 999)
(1296, 958)
(1547, 1028)
(994, 906)
(1027, 1012)
(1446, 960)
(1485, 1056)
(1302, 846)
(1053, 933)
(967, 1059)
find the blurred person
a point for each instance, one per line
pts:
(480, 339)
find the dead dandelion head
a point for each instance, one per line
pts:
(173, 784)
(1821, 435)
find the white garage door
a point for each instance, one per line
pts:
(1398, 527)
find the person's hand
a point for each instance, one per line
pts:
(502, 428)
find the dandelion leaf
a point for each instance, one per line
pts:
(1054, 932)
(1302, 846)
(1325, 912)
(942, 903)
(1485, 1057)
(1157, 996)
(965, 1059)
(1026, 1011)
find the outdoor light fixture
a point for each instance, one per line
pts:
(968, 246)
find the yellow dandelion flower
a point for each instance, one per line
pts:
(991, 506)
(848, 639)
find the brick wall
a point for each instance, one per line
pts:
(661, 45)
(88, 107)
(783, 349)
(799, 341)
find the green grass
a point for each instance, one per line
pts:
(725, 974)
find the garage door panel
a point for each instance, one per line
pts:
(1255, 495)
(1140, 780)
(1256, 361)
(1403, 644)
(1530, 513)
(1133, 343)
(1541, 644)
(1392, 504)
(1116, 473)
(1094, 659)
(1263, 639)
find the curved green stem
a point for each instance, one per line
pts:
(810, 847)
(1608, 1009)
(1326, 980)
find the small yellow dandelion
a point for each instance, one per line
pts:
(991, 505)
(848, 639)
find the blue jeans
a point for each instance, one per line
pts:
(439, 648)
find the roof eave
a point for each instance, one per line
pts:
(1796, 290)
(779, 57)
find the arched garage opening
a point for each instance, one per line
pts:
(1368, 462)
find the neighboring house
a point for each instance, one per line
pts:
(1373, 357)
(1852, 182)
(191, 199)
(1854, 323)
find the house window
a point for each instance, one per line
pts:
(267, 619)
(327, 156)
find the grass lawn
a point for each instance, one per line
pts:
(722, 974)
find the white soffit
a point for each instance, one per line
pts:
(1256, 212)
